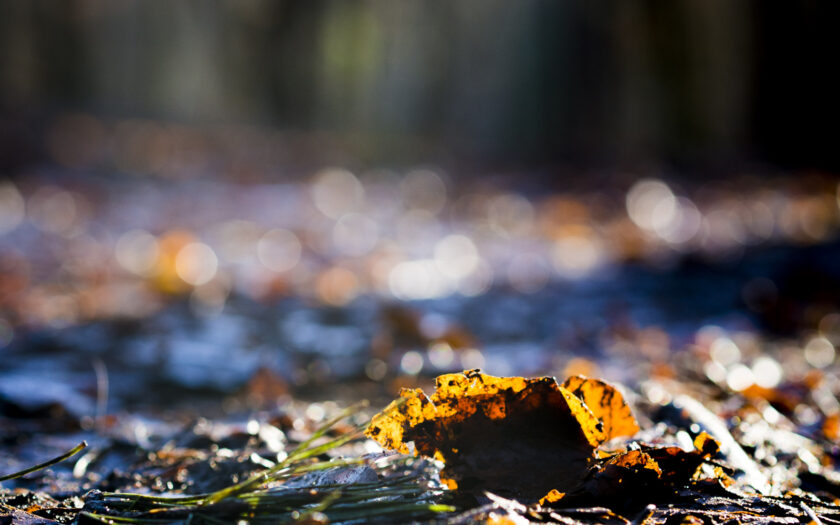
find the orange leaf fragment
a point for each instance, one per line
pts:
(706, 445)
(679, 465)
(642, 474)
(831, 427)
(606, 403)
(553, 496)
(635, 459)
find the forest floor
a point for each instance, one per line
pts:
(253, 409)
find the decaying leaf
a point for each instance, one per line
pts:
(695, 411)
(553, 496)
(509, 435)
(606, 403)
(632, 479)
(635, 459)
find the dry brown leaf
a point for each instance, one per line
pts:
(630, 480)
(679, 465)
(509, 435)
(635, 459)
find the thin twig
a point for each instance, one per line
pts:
(811, 514)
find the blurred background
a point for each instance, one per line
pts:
(690, 84)
(331, 193)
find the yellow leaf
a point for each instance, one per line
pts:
(503, 434)
(553, 496)
(606, 403)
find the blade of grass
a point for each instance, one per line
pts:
(397, 499)
(266, 475)
(315, 467)
(323, 429)
(70, 453)
(302, 451)
(130, 497)
(122, 499)
(380, 510)
(320, 507)
(102, 518)
(329, 445)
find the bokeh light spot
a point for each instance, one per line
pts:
(196, 263)
(336, 192)
(279, 250)
(376, 369)
(456, 256)
(137, 251)
(651, 204)
(724, 351)
(767, 371)
(355, 234)
(819, 352)
(337, 286)
(411, 363)
(441, 355)
(740, 377)
(12, 207)
(424, 189)
(575, 256)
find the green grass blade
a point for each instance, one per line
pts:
(70, 453)
(347, 412)
(302, 451)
